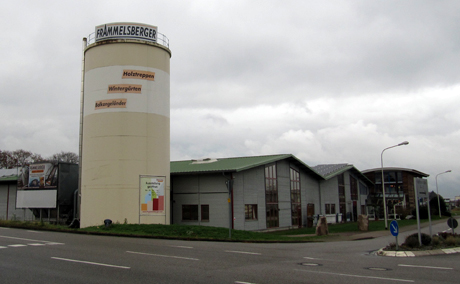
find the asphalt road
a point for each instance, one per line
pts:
(49, 257)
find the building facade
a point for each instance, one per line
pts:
(399, 188)
(264, 192)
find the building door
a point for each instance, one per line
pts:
(355, 211)
(310, 214)
(272, 216)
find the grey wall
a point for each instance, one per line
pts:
(207, 189)
(10, 198)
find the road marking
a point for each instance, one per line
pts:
(243, 252)
(420, 266)
(34, 231)
(357, 276)
(2, 247)
(17, 246)
(160, 255)
(181, 247)
(22, 239)
(36, 245)
(240, 282)
(93, 263)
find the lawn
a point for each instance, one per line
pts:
(207, 233)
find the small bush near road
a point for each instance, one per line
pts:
(440, 241)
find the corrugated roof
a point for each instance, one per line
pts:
(231, 164)
(331, 170)
(8, 174)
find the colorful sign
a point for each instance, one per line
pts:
(126, 31)
(152, 195)
(38, 176)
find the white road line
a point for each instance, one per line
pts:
(93, 263)
(160, 255)
(17, 246)
(243, 252)
(2, 247)
(34, 231)
(239, 282)
(53, 243)
(181, 247)
(357, 276)
(420, 266)
(36, 245)
(22, 239)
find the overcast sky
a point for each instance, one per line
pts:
(326, 81)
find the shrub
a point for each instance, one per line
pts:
(412, 240)
(436, 240)
(451, 241)
(423, 211)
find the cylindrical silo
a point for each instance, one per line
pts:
(125, 142)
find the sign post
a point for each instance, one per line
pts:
(394, 229)
(452, 223)
(421, 192)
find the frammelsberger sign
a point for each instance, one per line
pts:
(126, 30)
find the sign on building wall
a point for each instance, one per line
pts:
(126, 30)
(38, 176)
(152, 195)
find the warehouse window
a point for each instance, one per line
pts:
(204, 212)
(250, 211)
(330, 208)
(189, 212)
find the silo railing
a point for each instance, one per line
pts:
(161, 39)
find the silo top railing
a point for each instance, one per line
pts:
(161, 39)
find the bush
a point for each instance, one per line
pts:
(412, 240)
(447, 214)
(436, 240)
(423, 210)
(451, 241)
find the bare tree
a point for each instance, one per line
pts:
(67, 157)
(18, 158)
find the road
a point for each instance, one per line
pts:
(50, 257)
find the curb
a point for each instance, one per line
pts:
(393, 253)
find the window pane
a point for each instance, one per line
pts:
(204, 212)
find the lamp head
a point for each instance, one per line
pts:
(403, 143)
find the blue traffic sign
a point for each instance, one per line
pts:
(394, 228)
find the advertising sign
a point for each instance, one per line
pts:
(38, 176)
(126, 30)
(152, 195)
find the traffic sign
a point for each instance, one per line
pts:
(394, 228)
(452, 223)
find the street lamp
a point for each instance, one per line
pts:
(383, 182)
(437, 192)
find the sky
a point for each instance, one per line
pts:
(327, 81)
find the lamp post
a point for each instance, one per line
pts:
(437, 192)
(383, 183)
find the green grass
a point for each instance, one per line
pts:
(207, 233)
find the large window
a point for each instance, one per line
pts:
(341, 187)
(271, 196)
(296, 212)
(250, 212)
(204, 212)
(353, 188)
(189, 212)
(330, 209)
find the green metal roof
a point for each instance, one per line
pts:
(331, 170)
(232, 164)
(8, 178)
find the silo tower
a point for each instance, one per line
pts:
(125, 126)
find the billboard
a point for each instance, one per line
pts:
(38, 176)
(152, 195)
(126, 31)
